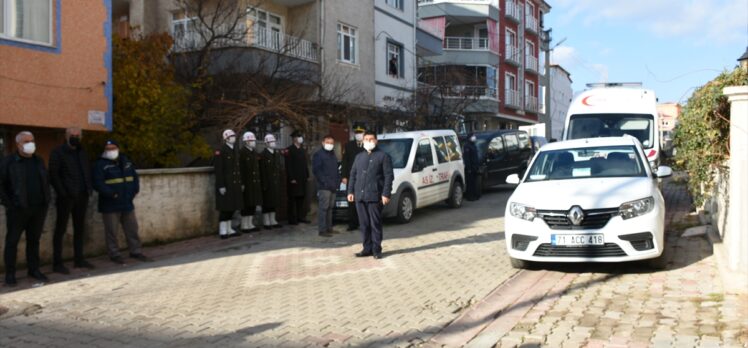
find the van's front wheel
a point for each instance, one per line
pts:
(405, 207)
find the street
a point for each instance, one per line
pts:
(445, 280)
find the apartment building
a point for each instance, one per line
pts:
(394, 52)
(491, 52)
(55, 70)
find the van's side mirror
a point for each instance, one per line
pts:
(512, 179)
(664, 172)
(419, 165)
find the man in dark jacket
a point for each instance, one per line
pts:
(70, 174)
(228, 175)
(297, 174)
(370, 186)
(117, 182)
(472, 166)
(250, 169)
(351, 150)
(24, 191)
(325, 169)
(270, 172)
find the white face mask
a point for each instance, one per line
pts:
(359, 137)
(112, 154)
(473, 138)
(300, 140)
(231, 140)
(29, 148)
(251, 144)
(328, 147)
(271, 145)
(369, 145)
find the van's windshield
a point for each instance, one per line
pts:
(640, 126)
(398, 149)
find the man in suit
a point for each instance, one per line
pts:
(297, 174)
(228, 184)
(370, 187)
(352, 149)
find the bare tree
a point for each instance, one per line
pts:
(444, 95)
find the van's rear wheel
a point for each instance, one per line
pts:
(519, 264)
(405, 207)
(456, 195)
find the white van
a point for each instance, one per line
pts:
(428, 169)
(615, 109)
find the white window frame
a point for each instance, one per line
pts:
(507, 36)
(506, 80)
(6, 24)
(268, 24)
(351, 32)
(531, 45)
(399, 51)
(530, 7)
(531, 90)
(183, 22)
(397, 4)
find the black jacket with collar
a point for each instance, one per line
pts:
(70, 171)
(13, 178)
(371, 176)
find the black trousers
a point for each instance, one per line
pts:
(370, 222)
(296, 209)
(352, 216)
(20, 220)
(225, 215)
(472, 191)
(76, 206)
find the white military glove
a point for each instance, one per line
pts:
(222, 191)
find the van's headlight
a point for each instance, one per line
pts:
(522, 211)
(636, 208)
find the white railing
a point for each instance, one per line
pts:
(512, 54)
(512, 10)
(531, 103)
(488, 2)
(531, 23)
(511, 97)
(466, 43)
(461, 91)
(531, 62)
(241, 37)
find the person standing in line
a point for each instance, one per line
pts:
(270, 172)
(24, 191)
(297, 174)
(70, 174)
(117, 182)
(325, 169)
(351, 150)
(472, 169)
(370, 187)
(250, 169)
(228, 184)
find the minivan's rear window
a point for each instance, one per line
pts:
(398, 149)
(640, 126)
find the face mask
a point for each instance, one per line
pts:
(251, 144)
(369, 145)
(112, 154)
(359, 137)
(300, 140)
(231, 140)
(29, 148)
(473, 138)
(74, 141)
(328, 147)
(271, 145)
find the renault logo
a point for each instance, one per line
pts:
(575, 215)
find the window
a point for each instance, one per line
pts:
(529, 89)
(267, 28)
(347, 44)
(529, 48)
(524, 141)
(27, 20)
(181, 24)
(454, 150)
(495, 148)
(511, 81)
(397, 149)
(424, 158)
(394, 60)
(511, 142)
(529, 9)
(398, 4)
(442, 154)
(511, 38)
(588, 162)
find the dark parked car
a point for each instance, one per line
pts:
(502, 153)
(537, 142)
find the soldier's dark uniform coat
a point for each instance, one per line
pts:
(228, 175)
(352, 148)
(270, 173)
(297, 168)
(250, 168)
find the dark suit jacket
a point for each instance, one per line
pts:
(371, 176)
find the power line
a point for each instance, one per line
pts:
(90, 89)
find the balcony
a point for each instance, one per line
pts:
(531, 63)
(511, 98)
(512, 54)
(531, 24)
(460, 11)
(466, 43)
(257, 37)
(531, 103)
(512, 10)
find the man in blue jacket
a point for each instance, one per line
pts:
(116, 181)
(370, 186)
(325, 169)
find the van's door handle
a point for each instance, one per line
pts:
(433, 169)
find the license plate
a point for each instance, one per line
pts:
(341, 204)
(577, 239)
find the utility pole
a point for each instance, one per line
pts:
(546, 45)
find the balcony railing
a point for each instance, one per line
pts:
(512, 54)
(466, 43)
(258, 37)
(531, 23)
(489, 2)
(461, 91)
(511, 98)
(531, 103)
(512, 10)
(531, 63)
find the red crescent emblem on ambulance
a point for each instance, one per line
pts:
(585, 102)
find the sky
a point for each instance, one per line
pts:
(671, 46)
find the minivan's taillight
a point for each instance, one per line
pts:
(651, 153)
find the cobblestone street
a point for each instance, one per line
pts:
(445, 281)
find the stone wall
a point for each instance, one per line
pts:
(717, 205)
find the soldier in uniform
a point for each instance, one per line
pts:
(250, 169)
(297, 174)
(228, 184)
(270, 171)
(352, 149)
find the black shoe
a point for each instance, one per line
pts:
(141, 257)
(277, 226)
(225, 236)
(84, 264)
(268, 227)
(378, 256)
(38, 275)
(362, 254)
(351, 228)
(305, 221)
(10, 279)
(293, 223)
(118, 260)
(325, 234)
(235, 234)
(60, 269)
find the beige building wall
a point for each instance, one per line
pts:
(669, 113)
